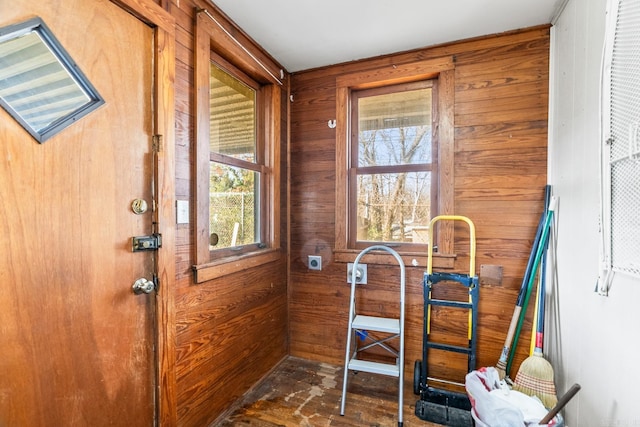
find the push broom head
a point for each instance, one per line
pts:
(535, 378)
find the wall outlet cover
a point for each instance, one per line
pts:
(361, 273)
(315, 262)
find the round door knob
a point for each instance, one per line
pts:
(143, 286)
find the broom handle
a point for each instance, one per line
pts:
(502, 361)
(541, 300)
(536, 262)
(543, 293)
(561, 403)
(534, 331)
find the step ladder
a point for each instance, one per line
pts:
(440, 405)
(384, 330)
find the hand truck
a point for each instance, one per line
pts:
(445, 406)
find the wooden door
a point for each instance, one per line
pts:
(76, 344)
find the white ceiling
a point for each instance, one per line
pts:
(304, 34)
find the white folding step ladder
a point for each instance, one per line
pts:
(391, 329)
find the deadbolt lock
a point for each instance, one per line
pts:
(139, 206)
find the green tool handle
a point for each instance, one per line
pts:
(536, 262)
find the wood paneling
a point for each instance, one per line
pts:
(232, 330)
(500, 126)
(229, 335)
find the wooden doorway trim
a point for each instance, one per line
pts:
(163, 24)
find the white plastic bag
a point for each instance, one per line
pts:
(531, 408)
(489, 410)
(494, 404)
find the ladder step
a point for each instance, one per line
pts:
(379, 324)
(374, 367)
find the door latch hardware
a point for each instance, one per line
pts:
(143, 286)
(139, 206)
(146, 243)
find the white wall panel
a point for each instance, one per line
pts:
(591, 340)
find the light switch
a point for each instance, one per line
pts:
(182, 211)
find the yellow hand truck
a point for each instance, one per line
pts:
(445, 406)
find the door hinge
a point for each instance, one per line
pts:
(146, 243)
(157, 143)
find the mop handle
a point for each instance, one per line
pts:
(536, 262)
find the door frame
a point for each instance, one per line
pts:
(163, 24)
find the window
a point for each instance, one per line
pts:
(237, 153)
(394, 157)
(41, 87)
(393, 162)
(621, 143)
(236, 164)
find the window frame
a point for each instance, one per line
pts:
(215, 43)
(356, 171)
(64, 63)
(441, 71)
(257, 166)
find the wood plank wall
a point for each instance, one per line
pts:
(230, 331)
(233, 330)
(501, 97)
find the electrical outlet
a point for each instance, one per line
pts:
(361, 273)
(315, 262)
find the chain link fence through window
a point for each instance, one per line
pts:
(232, 218)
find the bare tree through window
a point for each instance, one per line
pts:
(394, 164)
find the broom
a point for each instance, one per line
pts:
(538, 249)
(504, 362)
(535, 376)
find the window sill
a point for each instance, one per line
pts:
(230, 265)
(440, 261)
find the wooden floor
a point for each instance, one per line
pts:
(303, 393)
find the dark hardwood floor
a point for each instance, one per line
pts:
(303, 393)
